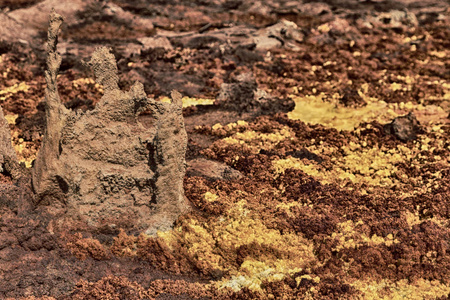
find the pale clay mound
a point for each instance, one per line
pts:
(104, 165)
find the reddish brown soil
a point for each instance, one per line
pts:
(46, 256)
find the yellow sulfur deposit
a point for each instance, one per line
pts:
(315, 110)
(330, 113)
(414, 219)
(348, 236)
(26, 151)
(371, 166)
(18, 87)
(286, 207)
(188, 101)
(252, 140)
(257, 141)
(210, 197)
(241, 227)
(387, 290)
(11, 119)
(80, 81)
(358, 164)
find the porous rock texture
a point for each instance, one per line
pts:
(13, 196)
(7, 151)
(9, 163)
(104, 165)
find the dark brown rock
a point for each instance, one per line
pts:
(243, 95)
(405, 128)
(211, 170)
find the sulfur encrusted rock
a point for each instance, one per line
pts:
(104, 165)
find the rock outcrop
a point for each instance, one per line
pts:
(104, 165)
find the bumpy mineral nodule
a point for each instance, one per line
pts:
(104, 165)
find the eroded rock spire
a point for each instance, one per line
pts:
(47, 162)
(104, 165)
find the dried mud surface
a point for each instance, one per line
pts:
(318, 150)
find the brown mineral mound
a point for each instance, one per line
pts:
(104, 165)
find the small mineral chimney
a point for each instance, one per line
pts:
(104, 165)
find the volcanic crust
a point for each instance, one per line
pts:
(317, 150)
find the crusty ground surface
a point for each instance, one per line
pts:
(327, 203)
